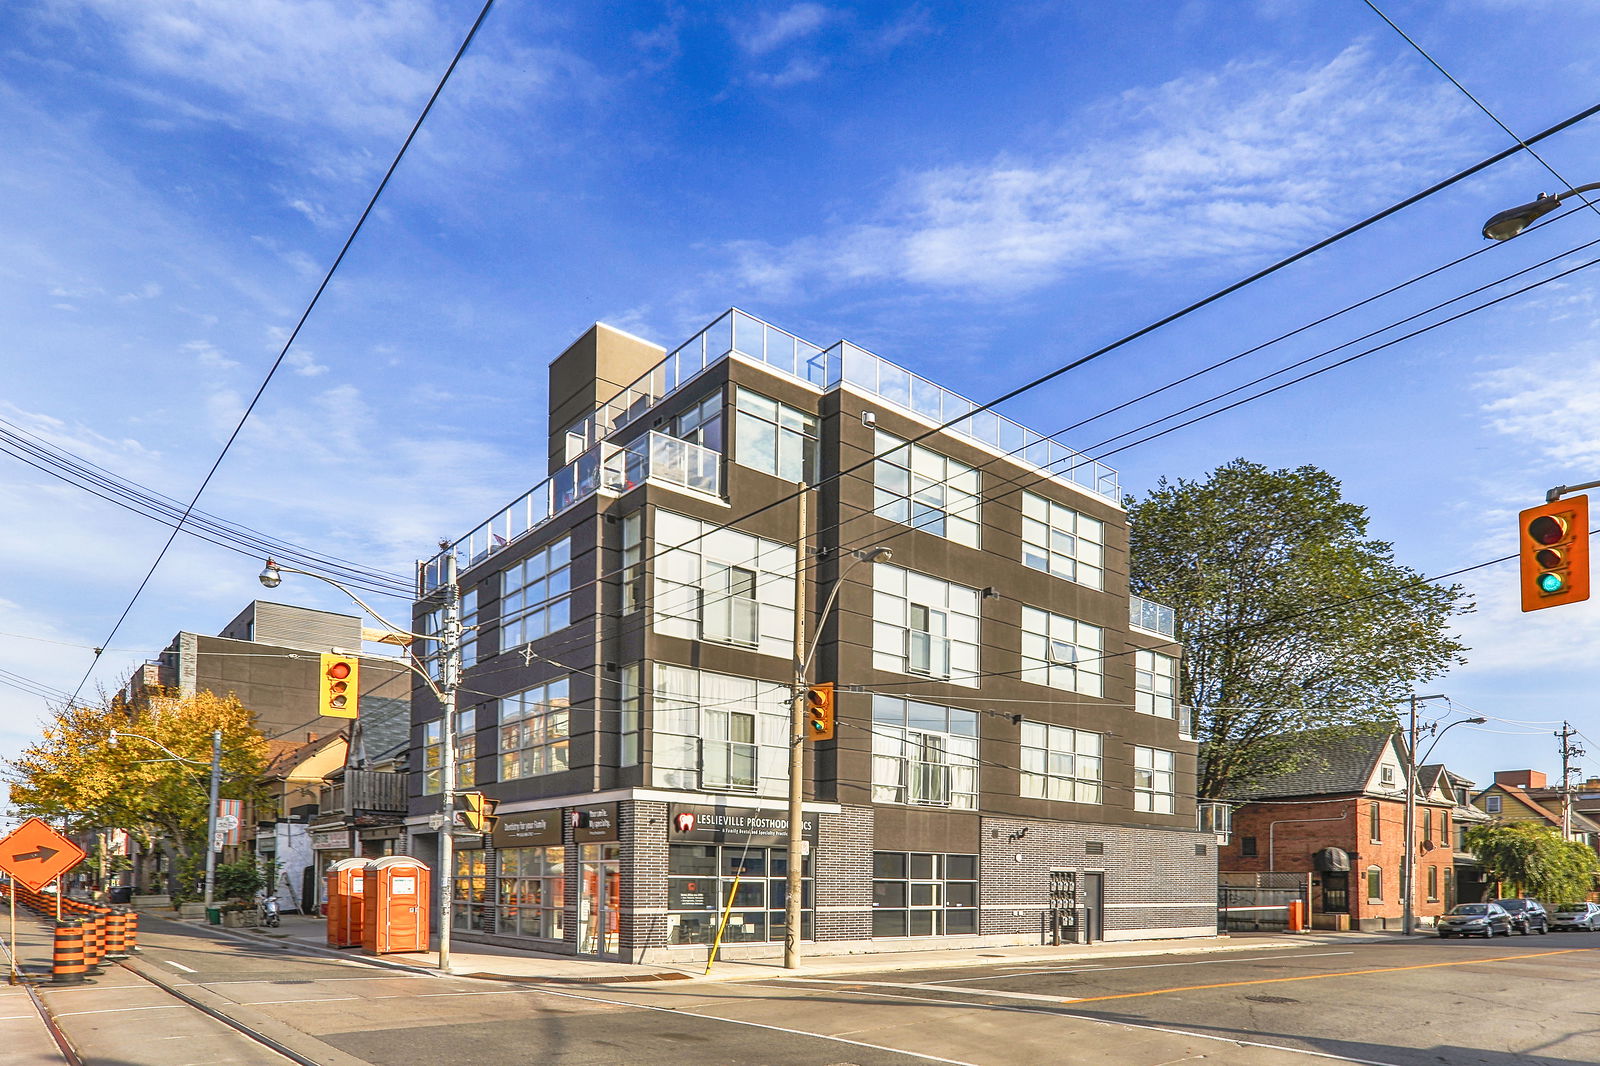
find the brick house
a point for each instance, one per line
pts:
(1339, 817)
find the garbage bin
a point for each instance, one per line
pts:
(213, 915)
(122, 894)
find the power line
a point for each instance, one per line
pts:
(289, 341)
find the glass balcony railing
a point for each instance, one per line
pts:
(738, 332)
(1152, 617)
(605, 468)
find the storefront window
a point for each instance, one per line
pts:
(701, 879)
(532, 892)
(919, 894)
(471, 907)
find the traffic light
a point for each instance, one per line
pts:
(1553, 541)
(819, 711)
(341, 681)
(476, 812)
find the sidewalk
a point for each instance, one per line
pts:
(500, 963)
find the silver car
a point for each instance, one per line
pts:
(1584, 916)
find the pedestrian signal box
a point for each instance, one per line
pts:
(1553, 543)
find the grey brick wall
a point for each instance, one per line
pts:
(1154, 881)
(644, 875)
(842, 868)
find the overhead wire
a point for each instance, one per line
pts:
(290, 339)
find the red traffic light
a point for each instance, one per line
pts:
(339, 670)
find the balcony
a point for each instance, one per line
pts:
(1214, 817)
(728, 765)
(736, 332)
(606, 469)
(1152, 617)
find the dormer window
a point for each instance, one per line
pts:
(1386, 774)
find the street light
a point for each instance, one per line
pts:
(1408, 862)
(211, 810)
(444, 690)
(797, 731)
(1512, 221)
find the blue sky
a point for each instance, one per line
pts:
(979, 192)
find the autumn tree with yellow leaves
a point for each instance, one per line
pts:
(75, 777)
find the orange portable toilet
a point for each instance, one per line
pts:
(346, 902)
(394, 915)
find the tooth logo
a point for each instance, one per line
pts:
(685, 821)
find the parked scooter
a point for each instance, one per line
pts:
(269, 910)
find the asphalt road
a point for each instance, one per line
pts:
(1527, 1001)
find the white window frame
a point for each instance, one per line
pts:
(539, 721)
(536, 595)
(923, 489)
(1155, 684)
(909, 611)
(793, 434)
(1058, 540)
(1059, 763)
(685, 704)
(1492, 804)
(722, 585)
(1062, 652)
(1155, 780)
(924, 754)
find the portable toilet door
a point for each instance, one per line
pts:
(346, 902)
(395, 916)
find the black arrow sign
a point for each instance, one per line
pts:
(44, 854)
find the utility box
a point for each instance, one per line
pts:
(394, 915)
(346, 902)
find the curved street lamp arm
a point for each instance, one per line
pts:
(1440, 735)
(833, 594)
(362, 603)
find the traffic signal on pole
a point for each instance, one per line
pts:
(476, 812)
(341, 682)
(1553, 541)
(819, 711)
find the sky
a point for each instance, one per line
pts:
(977, 192)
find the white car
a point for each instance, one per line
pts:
(1585, 916)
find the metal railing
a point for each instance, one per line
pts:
(607, 468)
(1152, 617)
(728, 765)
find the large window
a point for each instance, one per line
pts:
(1060, 763)
(630, 708)
(632, 561)
(1374, 823)
(466, 752)
(926, 490)
(924, 754)
(925, 626)
(712, 731)
(1374, 884)
(532, 892)
(470, 906)
(702, 423)
(700, 880)
(534, 727)
(432, 625)
(723, 585)
(534, 595)
(1061, 652)
(1060, 541)
(1155, 684)
(774, 438)
(1154, 780)
(918, 894)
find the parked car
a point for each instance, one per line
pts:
(1475, 919)
(1527, 915)
(1585, 916)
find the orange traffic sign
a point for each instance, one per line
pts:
(34, 854)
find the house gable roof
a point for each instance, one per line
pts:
(1331, 763)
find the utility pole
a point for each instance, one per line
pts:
(211, 817)
(797, 746)
(449, 679)
(1569, 751)
(1408, 863)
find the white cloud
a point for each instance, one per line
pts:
(209, 356)
(304, 364)
(1247, 159)
(1550, 404)
(779, 28)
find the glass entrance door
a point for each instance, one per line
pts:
(599, 899)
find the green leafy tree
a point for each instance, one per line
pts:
(75, 776)
(1290, 616)
(1534, 861)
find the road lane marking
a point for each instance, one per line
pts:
(1323, 976)
(119, 1010)
(178, 966)
(297, 1002)
(1146, 966)
(1125, 1024)
(931, 987)
(763, 1025)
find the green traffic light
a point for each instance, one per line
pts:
(1550, 582)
